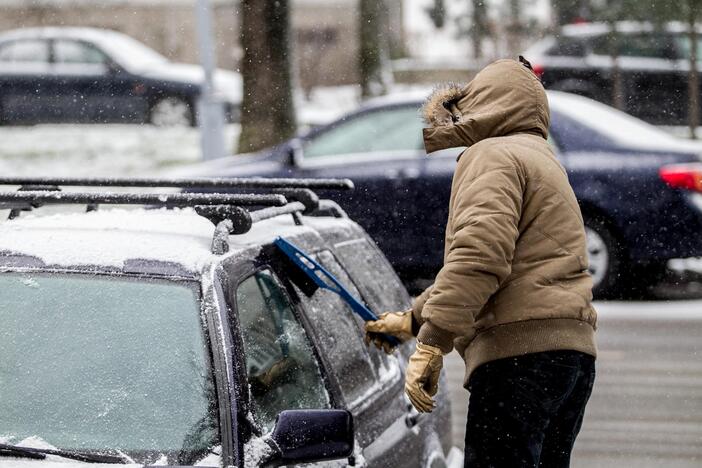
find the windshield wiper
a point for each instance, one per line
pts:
(39, 453)
(12, 451)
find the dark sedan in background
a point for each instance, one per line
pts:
(653, 62)
(88, 75)
(639, 188)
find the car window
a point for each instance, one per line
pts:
(650, 45)
(281, 366)
(76, 52)
(397, 129)
(104, 363)
(356, 368)
(682, 42)
(568, 47)
(373, 275)
(32, 51)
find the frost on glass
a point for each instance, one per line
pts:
(340, 334)
(280, 363)
(373, 275)
(105, 364)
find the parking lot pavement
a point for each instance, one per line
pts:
(646, 407)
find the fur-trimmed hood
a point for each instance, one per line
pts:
(503, 99)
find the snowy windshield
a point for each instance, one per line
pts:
(105, 364)
(129, 53)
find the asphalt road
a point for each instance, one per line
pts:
(646, 407)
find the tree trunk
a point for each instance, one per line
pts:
(478, 27)
(515, 28)
(693, 75)
(437, 13)
(618, 90)
(267, 110)
(370, 54)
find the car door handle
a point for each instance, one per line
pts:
(413, 416)
(404, 173)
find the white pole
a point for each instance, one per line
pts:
(210, 106)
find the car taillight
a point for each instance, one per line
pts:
(538, 70)
(684, 176)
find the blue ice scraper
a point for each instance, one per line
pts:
(321, 277)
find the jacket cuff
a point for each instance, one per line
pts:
(416, 309)
(434, 336)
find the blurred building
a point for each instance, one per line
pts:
(324, 31)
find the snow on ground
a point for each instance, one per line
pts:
(98, 150)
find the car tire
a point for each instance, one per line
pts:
(614, 274)
(171, 111)
(605, 259)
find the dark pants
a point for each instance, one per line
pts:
(526, 411)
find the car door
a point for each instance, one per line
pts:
(656, 84)
(683, 52)
(276, 357)
(24, 67)
(381, 150)
(89, 87)
(427, 436)
(651, 77)
(364, 380)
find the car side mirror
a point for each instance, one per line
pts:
(295, 152)
(305, 436)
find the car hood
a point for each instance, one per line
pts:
(227, 83)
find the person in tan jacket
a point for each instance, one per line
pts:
(514, 295)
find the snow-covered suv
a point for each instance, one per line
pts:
(147, 336)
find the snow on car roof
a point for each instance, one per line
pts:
(595, 29)
(57, 31)
(618, 126)
(124, 49)
(111, 237)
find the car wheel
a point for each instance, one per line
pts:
(605, 259)
(171, 112)
(614, 274)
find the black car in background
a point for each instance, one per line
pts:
(654, 64)
(639, 188)
(88, 75)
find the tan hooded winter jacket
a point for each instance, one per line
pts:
(514, 279)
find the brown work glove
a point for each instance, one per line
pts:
(422, 376)
(397, 324)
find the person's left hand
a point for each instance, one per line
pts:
(422, 376)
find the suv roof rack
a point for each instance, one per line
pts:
(226, 210)
(201, 182)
